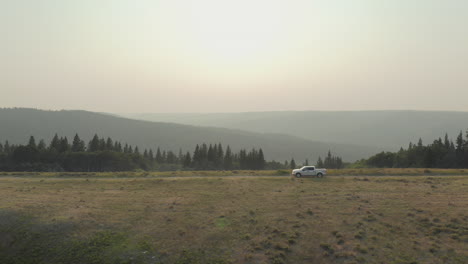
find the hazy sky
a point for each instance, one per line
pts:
(239, 55)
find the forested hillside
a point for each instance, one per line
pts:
(19, 124)
(441, 153)
(389, 130)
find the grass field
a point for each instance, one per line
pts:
(330, 172)
(123, 218)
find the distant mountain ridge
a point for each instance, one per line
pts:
(17, 124)
(383, 129)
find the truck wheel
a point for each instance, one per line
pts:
(298, 175)
(320, 175)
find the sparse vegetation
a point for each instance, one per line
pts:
(130, 218)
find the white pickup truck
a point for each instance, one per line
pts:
(309, 171)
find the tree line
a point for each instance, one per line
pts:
(106, 154)
(330, 162)
(441, 153)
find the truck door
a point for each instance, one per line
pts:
(312, 171)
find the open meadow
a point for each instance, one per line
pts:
(165, 218)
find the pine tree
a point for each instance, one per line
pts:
(55, 143)
(187, 160)
(159, 158)
(328, 163)
(196, 157)
(136, 151)
(203, 155)
(228, 159)
(42, 145)
(292, 164)
(261, 160)
(32, 142)
(243, 164)
(78, 145)
(180, 157)
(211, 154)
(220, 156)
(117, 146)
(446, 142)
(64, 146)
(1, 148)
(420, 143)
(109, 144)
(93, 145)
(320, 162)
(465, 151)
(102, 144)
(7, 147)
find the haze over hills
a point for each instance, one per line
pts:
(19, 123)
(384, 129)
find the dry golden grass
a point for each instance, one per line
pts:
(262, 219)
(330, 172)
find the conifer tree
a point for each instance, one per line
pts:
(180, 157)
(171, 158)
(32, 142)
(117, 146)
(78, 145)
(260, 160)
(42, 145)
(420, 143)
(109, 144)
(243, 164)
(211, 154)
(6, 147)
(292, 164)
(151, 155)
(320, 162)
(228, 159)
(55, 143)
(159, 158)
(93, 145)
(459, 150)
(220, 156)
(64, 146)
(102, 144)
(187, 160)
(196, 157)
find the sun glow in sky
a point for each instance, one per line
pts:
(244, 55)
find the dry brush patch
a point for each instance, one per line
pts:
(260, 219)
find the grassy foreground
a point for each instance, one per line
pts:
(386, 219)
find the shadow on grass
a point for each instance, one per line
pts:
(27, 240)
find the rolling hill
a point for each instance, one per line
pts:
(18, 124)
(384, 129)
